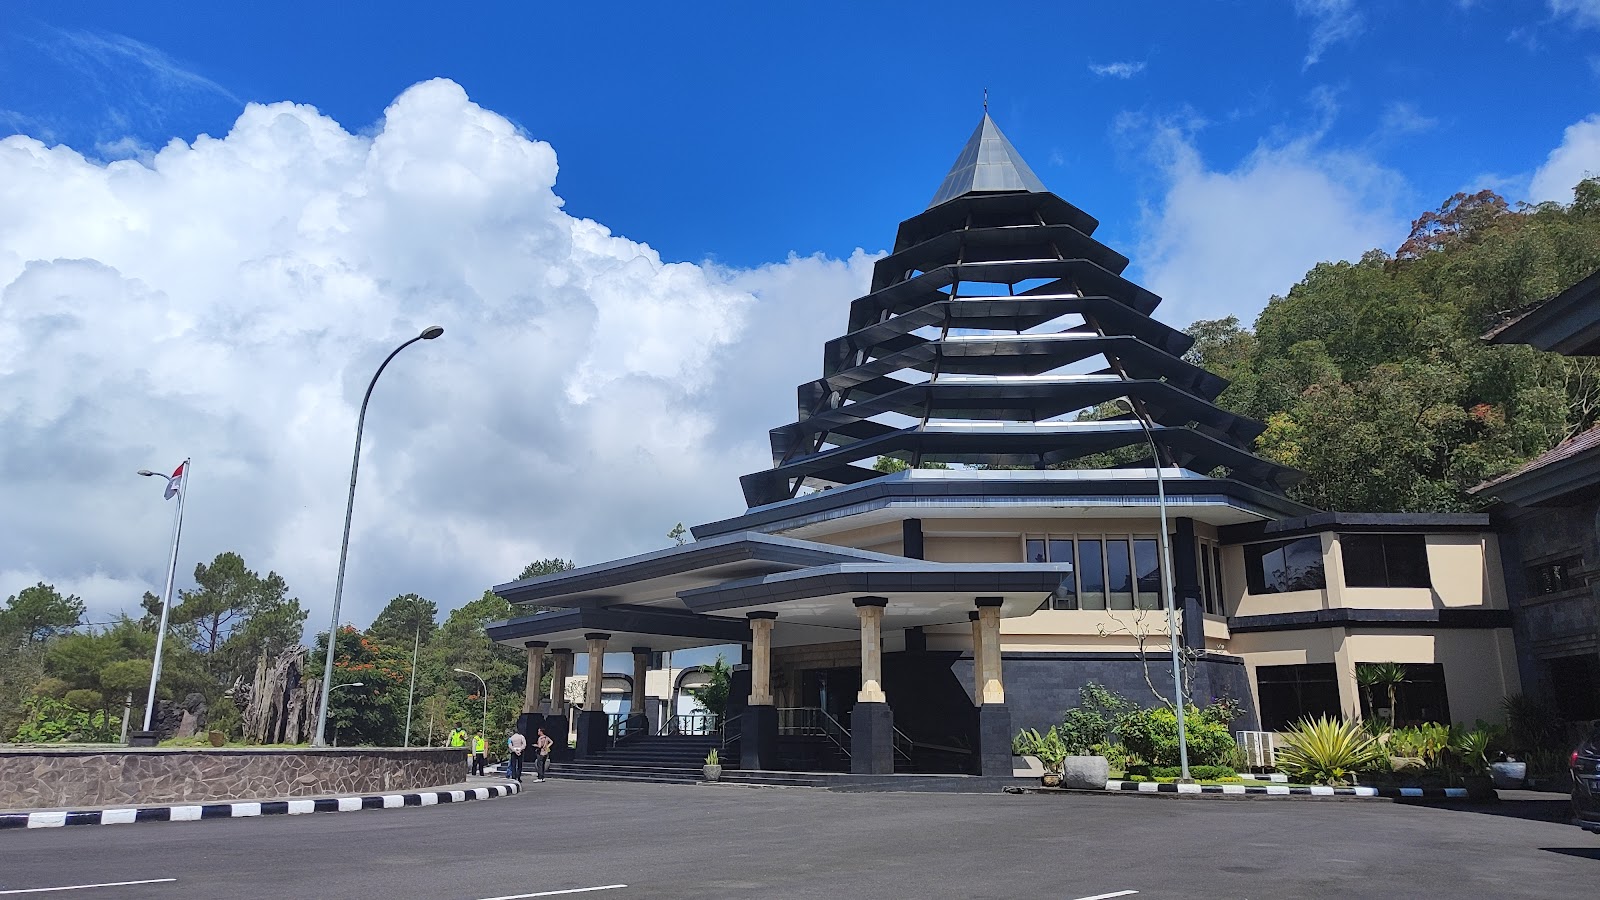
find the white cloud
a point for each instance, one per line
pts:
(1401, 118)
(1577, 158)
(1333, 21)
(1584, 13)
(1123, 70)
(229, 298)
(1222, 242)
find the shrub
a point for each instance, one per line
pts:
(1474, 748)
(1098, 715)
(1052, 752)
(1026, 743)
(1152, 735)
(1327, 751)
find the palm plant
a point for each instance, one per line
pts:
(1327, 751)
(1474, 748)
(1388, 675)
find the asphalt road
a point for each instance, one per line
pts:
(671, 841)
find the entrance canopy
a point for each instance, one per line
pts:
(705, 593)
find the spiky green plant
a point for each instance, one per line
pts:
(1052, 750)
(711, 758)
(1474, 748)
(1327, 751)
(1026, 743)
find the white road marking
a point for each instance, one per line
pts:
(79, 887)
(1108, 896)
(603, 887)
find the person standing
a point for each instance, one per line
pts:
(517, 743)
(479, 748)
(542, 760)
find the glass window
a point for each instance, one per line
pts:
(1066, 594)
(1385, 560)
(1420, 698)
(1034, 550)
(1119, 576)
(1291, 693)
(1208, 593)
(1216, 575)
(1091, 576)
(1553, 577)
(1147, 573)
(1283, 566)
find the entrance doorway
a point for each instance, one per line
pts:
(832, 691)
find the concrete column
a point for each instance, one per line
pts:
(557, 724)
(761, 658)
(641, 669)
(870, 612)
(592, 722)
(989, 624)
(994, 717)
(977, 658)
(872, 721)
(530, 694)
(758, 724)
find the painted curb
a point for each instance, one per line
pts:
(1283, 790)
(244, 809)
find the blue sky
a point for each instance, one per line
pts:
(742, 132)
(638, 225)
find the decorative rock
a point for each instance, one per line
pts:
(1085, 773)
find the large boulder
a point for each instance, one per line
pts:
(1085, 773)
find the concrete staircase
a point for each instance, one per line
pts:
(666, 759)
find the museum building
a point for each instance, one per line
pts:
(912, 621)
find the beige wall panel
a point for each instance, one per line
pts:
(1479, 666)
(972, 549)
(1086, 622)
(1269, 604)
(871, 537)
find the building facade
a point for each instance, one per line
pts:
(1065, 470)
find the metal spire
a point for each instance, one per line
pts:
(987, 164)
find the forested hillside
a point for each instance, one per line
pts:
(1373, 377)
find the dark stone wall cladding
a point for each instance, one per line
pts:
(1041, 687)
(41, 779)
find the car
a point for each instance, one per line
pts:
(1586, 783)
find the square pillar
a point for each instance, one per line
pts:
(872, 721)
(977, 658)
(532, 718)
(593, 721)
(557, 725)
(1186, 584)
(994, 717)
(637, 718)
(758, 724)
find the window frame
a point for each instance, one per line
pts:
(1101, 543)
(1255, 555)
(1388, 546)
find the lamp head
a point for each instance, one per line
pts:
(432, 331)
(146, 472)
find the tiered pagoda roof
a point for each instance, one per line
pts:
(995, 322)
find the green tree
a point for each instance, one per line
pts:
(547, 567)
(36, 614)
(403, 618)
(713, 695)
(233, 616)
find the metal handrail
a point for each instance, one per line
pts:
(814, 720)
(903, 745)
(727, 738)
(689, 723)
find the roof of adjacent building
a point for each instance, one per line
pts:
(1511, 486)
(987, 164)
(1568, 323)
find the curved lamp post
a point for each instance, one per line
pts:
(1166, 586)
(485, 731)
(166, 594)
(320, 738)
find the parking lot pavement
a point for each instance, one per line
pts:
(631, 841)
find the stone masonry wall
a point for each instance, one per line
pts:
(46, 778)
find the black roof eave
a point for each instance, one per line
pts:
(1568, 323)
(1353, 522)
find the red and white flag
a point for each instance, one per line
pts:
(176, 481)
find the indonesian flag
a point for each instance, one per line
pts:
(176, 481)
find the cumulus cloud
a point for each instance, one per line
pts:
(1576, 158)
(1332, 21)
(1123, 70)
(1401, 118)
(1584, 13)
(1222, 241)
(229, 299)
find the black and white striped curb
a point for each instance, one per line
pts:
(249, 809)
(1284, 790)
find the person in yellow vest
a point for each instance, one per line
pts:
(479, 748)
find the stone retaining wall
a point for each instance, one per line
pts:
(44, 778)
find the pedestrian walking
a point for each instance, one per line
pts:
(479, 749)
(516, 744)
(542, 760)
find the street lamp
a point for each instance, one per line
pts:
(320, 738)
(485, 684)
(1166, 585)
(411, 693)
(181, 477)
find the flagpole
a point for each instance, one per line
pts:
(166, 595)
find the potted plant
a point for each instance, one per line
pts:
(1052, 752)
(712, 768)
(1508, 773)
